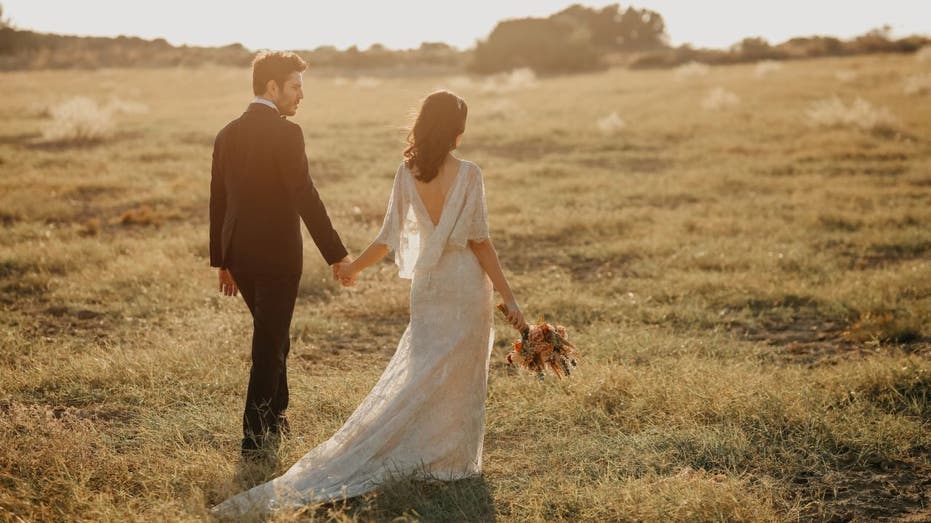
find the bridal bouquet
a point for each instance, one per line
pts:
(542, 347)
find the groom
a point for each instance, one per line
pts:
(260, 190)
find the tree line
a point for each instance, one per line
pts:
(577, 38)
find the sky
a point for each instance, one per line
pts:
(400, 24)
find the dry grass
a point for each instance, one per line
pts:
(751, 293)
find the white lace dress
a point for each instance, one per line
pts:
(425, 417)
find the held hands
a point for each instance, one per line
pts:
(227, 283)
(344, 273)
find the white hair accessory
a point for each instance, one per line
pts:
(459, 103)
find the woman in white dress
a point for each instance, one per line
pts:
(425, 417)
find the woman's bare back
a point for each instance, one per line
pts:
(433, 193)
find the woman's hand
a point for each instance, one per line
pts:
(515, 315)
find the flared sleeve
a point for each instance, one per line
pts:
(390, 233)
(473, 221)
(399, 230)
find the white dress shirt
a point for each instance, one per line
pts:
(260, 100)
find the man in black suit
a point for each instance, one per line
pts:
(260, 190)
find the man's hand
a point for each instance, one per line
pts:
(227, 283)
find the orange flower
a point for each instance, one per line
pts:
(536, 335)
(537, 351)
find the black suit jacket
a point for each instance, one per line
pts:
(260, 189)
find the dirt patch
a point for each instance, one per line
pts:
(806, 340)
(626, 164)
(883, 492)
(877, 164)
(96, 413)
(659, 201)
(84, 193)
(530, 252)
(50, 321)
(896, 252)
(23, 282)
(811, 339)
(535, 252)
(834, 222)
(19, 139)
(343, 352)
(878, 255)
(796, 327)
(373, 337)
(592, 269)
(7, 218)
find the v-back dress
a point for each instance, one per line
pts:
(425, 417)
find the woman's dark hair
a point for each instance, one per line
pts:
(274, 65)
(441, 119)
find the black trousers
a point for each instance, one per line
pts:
(271, 301)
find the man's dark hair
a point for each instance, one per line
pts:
(274, 65)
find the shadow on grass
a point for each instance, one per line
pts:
(402, 499)
(252, 472)
(424, 500)
(36, 141)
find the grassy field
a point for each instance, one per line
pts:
(742, 254)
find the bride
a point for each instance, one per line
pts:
(425, 417)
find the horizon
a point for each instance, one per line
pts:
(686, 22)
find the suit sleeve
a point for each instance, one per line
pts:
(296, 178)
(217, 205)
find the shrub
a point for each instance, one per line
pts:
(918, 84)
(516, 80)
(611, 123)
(860, 114)
(78, 120)
(691, 69)
(720, 98)
(923, 54)
(766, 67)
